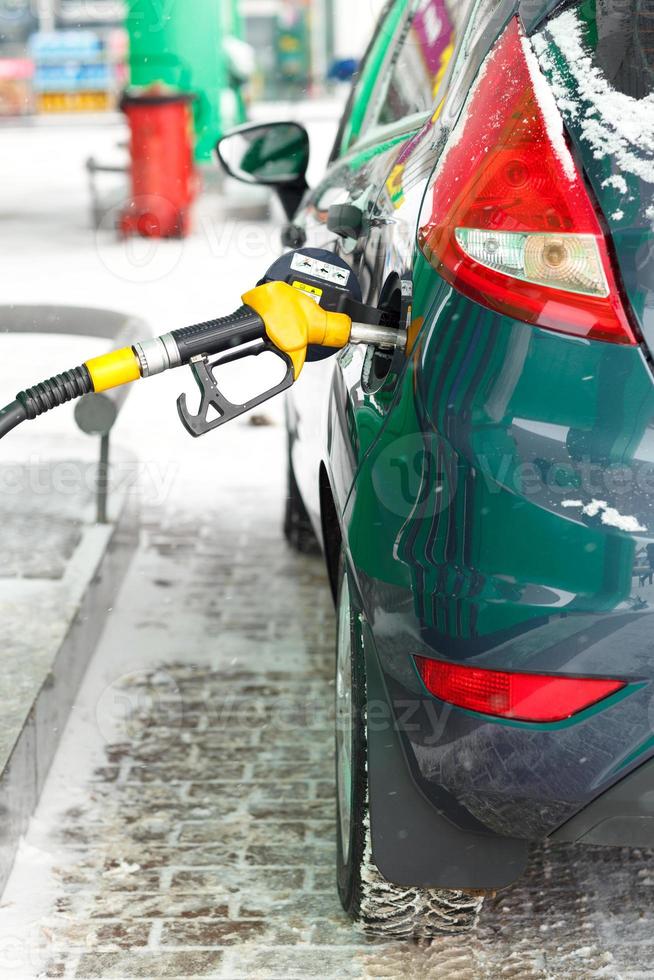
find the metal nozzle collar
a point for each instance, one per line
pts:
(157, 355)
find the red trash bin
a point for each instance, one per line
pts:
(164, 180)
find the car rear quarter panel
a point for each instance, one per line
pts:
(468, 535)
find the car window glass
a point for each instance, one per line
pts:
(379, 53)
(420, 60)
(621, 39)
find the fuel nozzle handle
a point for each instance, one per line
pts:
(292, 321)
(212, 337)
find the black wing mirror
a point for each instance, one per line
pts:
(271, 155)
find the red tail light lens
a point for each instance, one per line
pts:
(522, 697)
(508, 220)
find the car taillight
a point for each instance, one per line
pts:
(508, 220)
(521, 697)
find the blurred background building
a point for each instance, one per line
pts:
(62, 56)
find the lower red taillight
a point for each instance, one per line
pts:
(504, 694)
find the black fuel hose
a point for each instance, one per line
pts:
(11, 416)
(42, 397)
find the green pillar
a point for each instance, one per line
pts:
(180, 44)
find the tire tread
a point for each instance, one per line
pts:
(379, 907)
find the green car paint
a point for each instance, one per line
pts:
(471, 463)
(448, 446)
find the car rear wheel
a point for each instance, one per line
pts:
(380, 908)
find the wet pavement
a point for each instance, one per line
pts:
(187, 828)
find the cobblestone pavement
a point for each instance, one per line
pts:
(187, 829)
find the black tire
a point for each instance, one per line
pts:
(379, 907)
(298, 530)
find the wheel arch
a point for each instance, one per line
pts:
(413, 843)
(332, 535)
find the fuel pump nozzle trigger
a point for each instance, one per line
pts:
(291, 321)
(199, 423)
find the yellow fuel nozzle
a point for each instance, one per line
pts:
(293, 321)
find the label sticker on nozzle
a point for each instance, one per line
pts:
(313, 292)
(320, 270)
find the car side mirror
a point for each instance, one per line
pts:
(271, 155)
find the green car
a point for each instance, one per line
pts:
(485, 498)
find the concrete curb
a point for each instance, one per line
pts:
(103, 559)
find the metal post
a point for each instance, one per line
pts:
(318, 41)
(46, 15)
(103, 480)
(330, 31)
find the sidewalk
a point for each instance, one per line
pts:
(58, 573)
